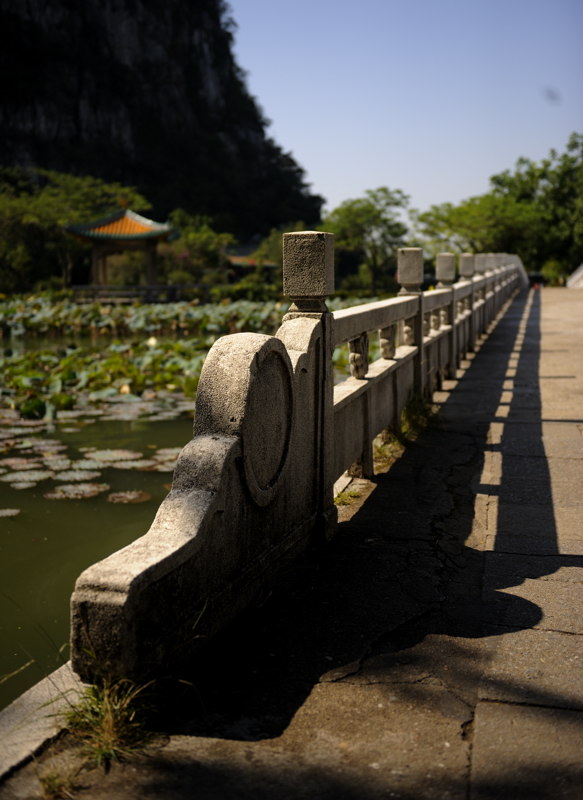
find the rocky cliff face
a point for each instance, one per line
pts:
(146, 93)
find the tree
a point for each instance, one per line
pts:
(535, 211)
(367, 232)
(270, 249)
(487, 223)
(200, 250)
(35, 206)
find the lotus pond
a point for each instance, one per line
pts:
(90, 428)
(69, 496)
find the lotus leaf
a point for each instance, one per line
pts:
(77, 475)
(129, 497)
(33, 408)
(62, 401)
(141, 463)
(76, 491)
(48, 446)
(57, 464)
(87, 463)
(28, 476)
(164, 466)
(115, 455)
(167, 452)
(9, 512)
(20, 462)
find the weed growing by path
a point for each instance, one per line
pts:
(108, 721)
(58, 785)
(347, 497)
(414, 419)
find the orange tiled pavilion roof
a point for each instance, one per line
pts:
(124, 225)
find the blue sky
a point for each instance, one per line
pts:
(428, 96)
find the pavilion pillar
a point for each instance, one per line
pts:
(103, 270)
(151, 276)
(95, 265)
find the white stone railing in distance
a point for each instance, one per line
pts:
(272, 433)
(423, 336)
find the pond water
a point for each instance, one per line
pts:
(50, 541)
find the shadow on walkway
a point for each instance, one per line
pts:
(406, 589)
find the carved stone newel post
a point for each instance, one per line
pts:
(445, 274)
(308, 278)
(410, 275)
(467, 269)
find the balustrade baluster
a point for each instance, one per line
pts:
(388, 337)
(408, 336)
(426, 324)
(358, 358)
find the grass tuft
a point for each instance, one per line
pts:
(347, 497)
(108, 721)
(415, 418)
(58, 786)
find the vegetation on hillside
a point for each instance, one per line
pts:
(535, 210)
(157, 100)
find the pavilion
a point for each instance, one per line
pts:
(123, 230)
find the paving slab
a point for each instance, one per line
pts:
(558, 439)
(530, 481)
(540, 604)
(36, 717)
(347, 741)
(511, 570)
(526, 753)
(453, 663)
(537, 543)
(531, 529)
(543, 668)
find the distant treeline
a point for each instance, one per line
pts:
(535, 211)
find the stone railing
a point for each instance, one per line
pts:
(423, 336)
(271, 435)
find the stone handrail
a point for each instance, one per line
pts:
(271, 435)
(423, 336)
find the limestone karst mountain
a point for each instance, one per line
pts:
(148, 94)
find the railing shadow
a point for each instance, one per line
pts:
(230, 778)
(408, 567)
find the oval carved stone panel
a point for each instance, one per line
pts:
(246, 390)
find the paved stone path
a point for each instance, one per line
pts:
(434, 649)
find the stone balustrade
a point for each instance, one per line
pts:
(272, 433)
(423, 336)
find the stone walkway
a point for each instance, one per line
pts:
(434, 649)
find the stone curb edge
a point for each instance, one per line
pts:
(36, 718)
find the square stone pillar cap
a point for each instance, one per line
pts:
(445, 267)
(410, 268)
(308, 264)
(467, 265)
(491, 261)
(481, 263)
